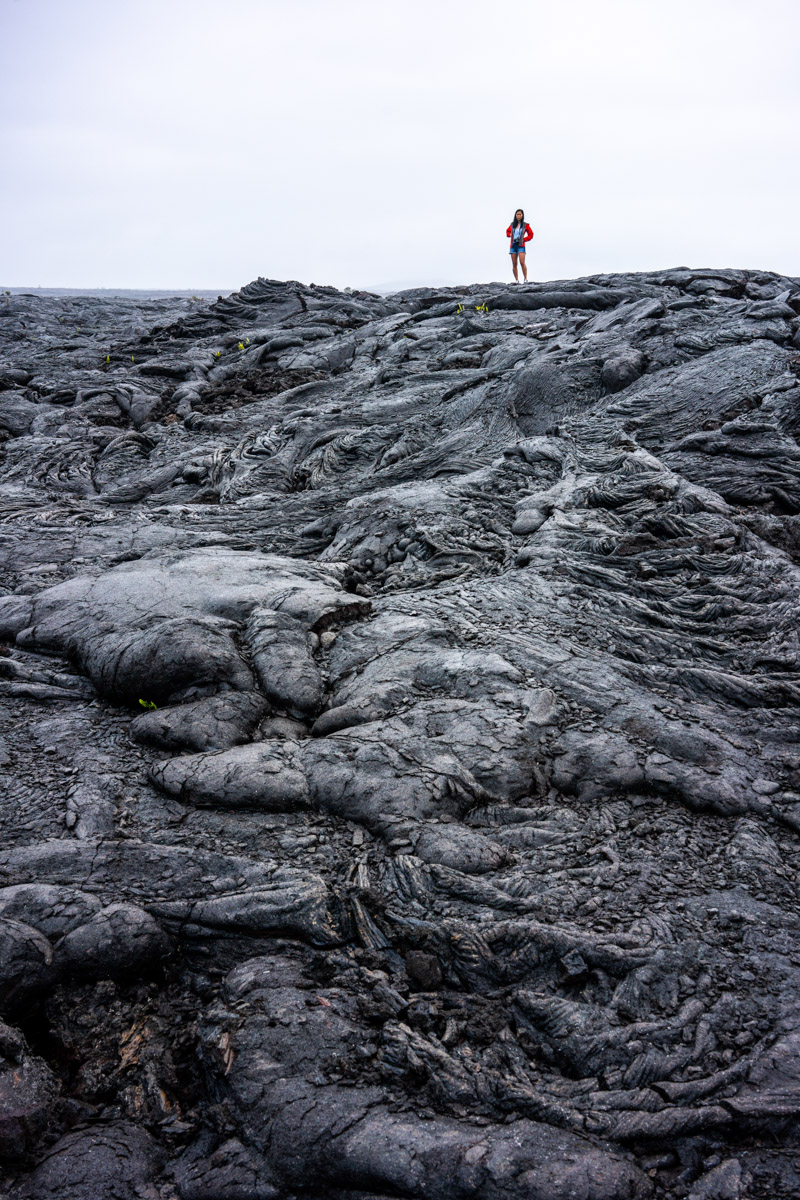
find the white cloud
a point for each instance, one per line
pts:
(185, 143)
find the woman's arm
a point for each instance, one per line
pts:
(528, 233)
(508, 232)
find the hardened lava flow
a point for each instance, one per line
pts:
(400, 742)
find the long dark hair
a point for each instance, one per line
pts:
(515, 222)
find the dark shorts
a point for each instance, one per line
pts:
(518, 249)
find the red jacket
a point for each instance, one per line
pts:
(527, 234)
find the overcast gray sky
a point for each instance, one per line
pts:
(200, 143)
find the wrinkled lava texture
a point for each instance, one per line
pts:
(400, 742)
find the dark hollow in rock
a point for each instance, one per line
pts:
(30, 1104)
(424, 970)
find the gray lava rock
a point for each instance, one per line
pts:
(26, 964)
(229, 1171)
(622, 369)
(119, 1161)
(214, 723)
(120, 940)
(725, 1182)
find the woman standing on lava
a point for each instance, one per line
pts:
(520, 233)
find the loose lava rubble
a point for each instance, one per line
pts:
(401, 742)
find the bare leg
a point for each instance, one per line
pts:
(522, 262)
(514, 258)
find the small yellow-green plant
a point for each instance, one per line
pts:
(148, 704)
